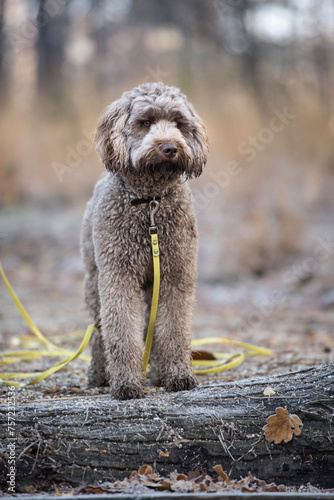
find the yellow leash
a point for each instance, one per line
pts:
(220, 361)
(229, 360)
(53, 350)
(155, 299)
(153, 230)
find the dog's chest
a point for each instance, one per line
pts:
(176, 232)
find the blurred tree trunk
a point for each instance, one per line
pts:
(2, 51)
(51, 44)
(100, 33)
(250, 57)
(321, 61)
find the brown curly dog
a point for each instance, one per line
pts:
(151, 141)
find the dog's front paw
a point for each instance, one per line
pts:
(181, 383)
(127, 391)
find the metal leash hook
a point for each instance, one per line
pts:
(154, 207)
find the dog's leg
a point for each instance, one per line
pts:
(96, 375)
(171, 350)
(122, 333)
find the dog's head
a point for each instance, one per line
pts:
(152, 128)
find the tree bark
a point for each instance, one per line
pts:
(80, 440)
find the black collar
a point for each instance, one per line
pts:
(139, 201)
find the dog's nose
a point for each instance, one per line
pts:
(169, 150)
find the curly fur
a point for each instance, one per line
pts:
(134, 138)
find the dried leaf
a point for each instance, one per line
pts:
(282, 426)
(181, 477)
(194, 482)
(183, 486)
(203, 356)
(269, 391)
(266, 487)
(195, 475)
(248, 489)
(163, 454)
(212, 488)
(145, 470)
(222, 475)
(52, 391)
(165, 484)
(244, 482)
(173, 476)
(273, 487)
(90, 488)
(149, 484)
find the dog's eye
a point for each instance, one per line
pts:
(182, 125)
(147, 123)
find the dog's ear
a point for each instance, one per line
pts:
(110, 140)
(200, 145)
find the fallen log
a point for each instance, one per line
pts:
(85, 439)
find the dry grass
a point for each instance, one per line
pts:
(263, 211)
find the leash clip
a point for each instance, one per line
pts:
(154, 207)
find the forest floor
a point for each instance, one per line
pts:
(41, 257)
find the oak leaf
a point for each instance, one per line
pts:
(282, 426)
